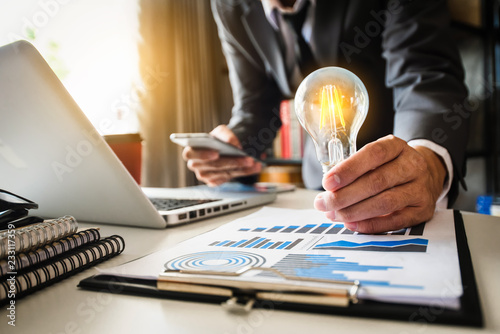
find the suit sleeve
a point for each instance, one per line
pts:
(425, 71)
(255, 114)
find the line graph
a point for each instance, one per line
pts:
(409, 245)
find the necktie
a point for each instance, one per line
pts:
(303, 53)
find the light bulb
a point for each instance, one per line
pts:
(331, 105)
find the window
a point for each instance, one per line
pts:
(92, 47)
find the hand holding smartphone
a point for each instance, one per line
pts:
(230, 162)
(207, 141)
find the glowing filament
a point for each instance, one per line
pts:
(331, 107)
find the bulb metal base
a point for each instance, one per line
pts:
(326, 168)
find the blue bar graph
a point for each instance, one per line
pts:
(223, 243)
(325, 228)
(332, 268)
(290, 228)
(306, 228)
(239, 243)
(257, 243)
(267, 245)
(321, 228)
(335, 229)
(283, 245)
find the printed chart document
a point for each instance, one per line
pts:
(417, 265)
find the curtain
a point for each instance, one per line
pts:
(182, 75)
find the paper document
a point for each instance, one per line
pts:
(417, 265)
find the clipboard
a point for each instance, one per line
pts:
(341, 299)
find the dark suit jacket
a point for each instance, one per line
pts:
(401, 50)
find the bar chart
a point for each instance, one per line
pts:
(257, 242)
(332, 268)
(327, 228)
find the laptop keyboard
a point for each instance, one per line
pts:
(165, 204)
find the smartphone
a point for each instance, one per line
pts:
(207, 141)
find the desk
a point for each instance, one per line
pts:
(63, 308)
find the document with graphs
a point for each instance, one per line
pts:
(302, 251)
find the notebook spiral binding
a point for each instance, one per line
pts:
(34, 236)
(29, 259)
(59, 268)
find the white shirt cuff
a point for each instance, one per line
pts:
(442, 202)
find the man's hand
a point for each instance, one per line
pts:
(387, 185)
(214, 169)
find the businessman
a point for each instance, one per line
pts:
(414, 137)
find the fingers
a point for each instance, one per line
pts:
(223, 133)
(392, 222)
(387, 186)
(213, 169)
(389, 201)
(368, 158)
(216, 178)
(224, 169)
(189, 153)
(221, 164)
(388, 215)
(405, 168)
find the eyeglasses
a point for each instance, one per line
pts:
(10, 201)
(14, 209)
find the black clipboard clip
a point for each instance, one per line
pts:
(243, 294)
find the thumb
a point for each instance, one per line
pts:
(225, 134)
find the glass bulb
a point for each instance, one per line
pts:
(331, 105)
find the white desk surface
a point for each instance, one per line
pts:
(63, 308)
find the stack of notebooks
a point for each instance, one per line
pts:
(37, 255)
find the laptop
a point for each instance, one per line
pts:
(51, 154)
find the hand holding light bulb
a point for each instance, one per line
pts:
(387, 185)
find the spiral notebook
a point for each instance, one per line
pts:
(22, 261)
(18, 284)
(36, 235)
